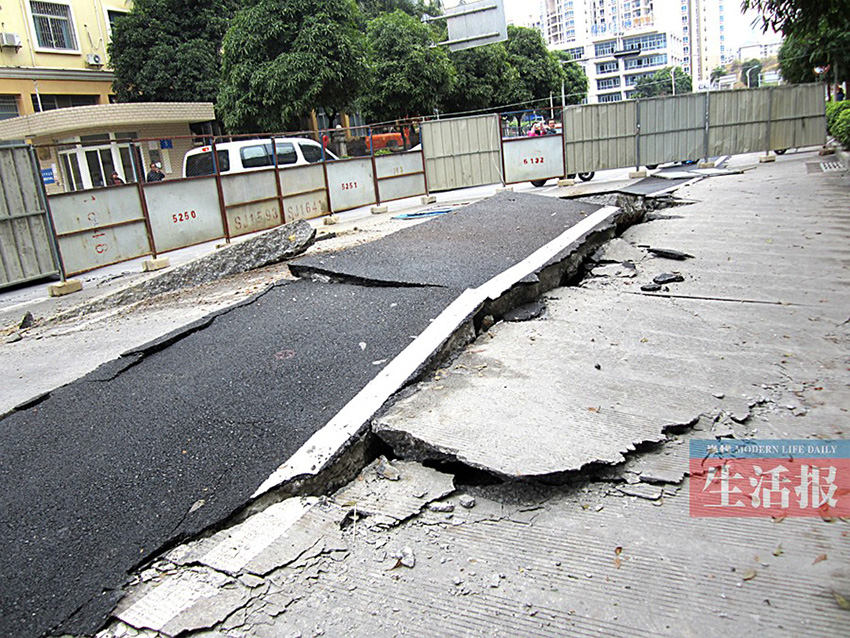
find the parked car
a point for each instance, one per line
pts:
(253, 155)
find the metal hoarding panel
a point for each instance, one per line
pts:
(672, 128)
(401, 187)
(301, 179)
(25, 250)
(251, 202)
(737, 121)
(798, 116)
(533, 158)
(397, 164)
(243, 219)
(184, 212)
(306, 206)
(400, 175)
(351, 183)
(600, 136)
(462, 152)
(92, 209)
(253, 186)
(100, 247)
(99, 227)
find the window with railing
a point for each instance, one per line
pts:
(605, 48)
(607, 83)
(610, 97)
(640, 63)
(8, 107)
(54, 26)
(646, 42)
(607, 67)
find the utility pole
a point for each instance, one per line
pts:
(673, 78)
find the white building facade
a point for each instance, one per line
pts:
(620, 41)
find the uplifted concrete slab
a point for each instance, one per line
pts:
(509, 407)
(461, 249)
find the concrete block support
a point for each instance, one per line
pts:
(377, 210)
(706, 164)
(428, 199)
(150, 265)
(766, 159)
(504, 189)
(637, 174)
(566, 182)
(63, 288)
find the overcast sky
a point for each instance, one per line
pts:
(738, 28)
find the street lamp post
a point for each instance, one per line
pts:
(749, 79)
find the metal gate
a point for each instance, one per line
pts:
(27, 249)
(462, 152)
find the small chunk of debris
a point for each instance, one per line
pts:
(526, 312)
(668, 253)
(668, 278)
(467, 501)
(14, 337)
(441, 507)
(386, 471)
(651, 287)
(405, 558)
(27, 321)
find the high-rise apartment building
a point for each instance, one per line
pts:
(619, 41)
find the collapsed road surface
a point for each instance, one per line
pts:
(173, 438)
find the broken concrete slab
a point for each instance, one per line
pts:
(617, 250)
(190, 600)
(273, 538)
(397, 499)
(279, 244)
(625, 270)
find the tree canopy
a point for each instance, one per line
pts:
(484, 78)
(799, 16)
(660, 83)
(407, 77)
(168, 50)
(539, 69)
(417, 8)
(282, 58)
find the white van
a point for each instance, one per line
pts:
(253, 155)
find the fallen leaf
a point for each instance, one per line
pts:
(820, 558)
(823, 510)
(593, 409)
(749, 574)
(617, 563)
(618, 550)
(778, 551)
(779, 517)
(841, 600)
(644, 340)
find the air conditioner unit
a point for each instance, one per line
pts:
(10, 40)
(93, 59)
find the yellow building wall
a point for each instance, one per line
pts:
(20, 69)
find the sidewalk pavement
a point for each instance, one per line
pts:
(541, 479)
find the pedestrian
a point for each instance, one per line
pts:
(155, 174)
(839, 94)
(115, 179)
(551, 129)
(536, 130)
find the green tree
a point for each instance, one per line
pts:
(374, 8)
(800, 16)
(660, 83)
(539, 69)
(717, 73)
(750, 71)
(484, 79)
(283, 58)
(408, 76)
(574, 77)
(169, 50)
